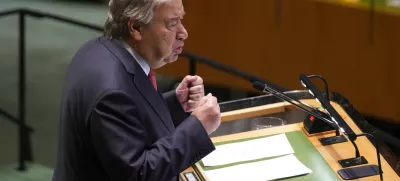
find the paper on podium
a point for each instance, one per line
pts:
(276, 168)
(249, 150)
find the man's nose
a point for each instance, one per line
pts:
(182, 33)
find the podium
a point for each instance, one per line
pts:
(241, 121)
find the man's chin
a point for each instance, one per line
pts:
(172, 58)
(164, 62)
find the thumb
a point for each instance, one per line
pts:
(187, 80)
(191, 78)
(204, 99)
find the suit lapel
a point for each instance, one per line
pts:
(162, 98)
(146, 88)
(141, 81)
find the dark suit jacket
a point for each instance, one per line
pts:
(116, 127)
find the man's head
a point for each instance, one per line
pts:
(152, 27)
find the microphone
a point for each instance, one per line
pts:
(316, 113)
(335, 117)
(355, 172)
(231, 70)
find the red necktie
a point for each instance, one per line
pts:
(153, 79)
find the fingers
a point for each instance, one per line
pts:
(190, 92)
(188, 80)
(195, 97)
(197, 89)
(192, 104)
(197, 81)
(196, 93)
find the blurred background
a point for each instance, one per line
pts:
(354, 44)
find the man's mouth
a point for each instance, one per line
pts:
(178, 50)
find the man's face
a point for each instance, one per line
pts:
(161, 41)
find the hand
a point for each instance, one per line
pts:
(189, 92)
(208, 112)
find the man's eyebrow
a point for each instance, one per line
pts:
(182, 14)
(176, 17)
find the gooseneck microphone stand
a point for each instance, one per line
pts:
(266, 89)
(343, 126)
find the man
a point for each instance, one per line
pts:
(115, 124)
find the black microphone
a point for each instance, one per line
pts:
(337, 122)
(355, 172)
(230, 70)
(336, 118)
(318, 114)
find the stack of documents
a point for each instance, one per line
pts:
(284, 165)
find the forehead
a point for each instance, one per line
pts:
(171, 10)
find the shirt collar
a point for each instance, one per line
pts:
(142, 62)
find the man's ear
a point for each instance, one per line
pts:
(134, 28)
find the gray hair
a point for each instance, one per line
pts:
(120, 11)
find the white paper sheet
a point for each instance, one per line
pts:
(277, 168)
(249, 150)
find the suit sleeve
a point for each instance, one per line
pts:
(177, 113)
(123, 147)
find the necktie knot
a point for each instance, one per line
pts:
(152, 78)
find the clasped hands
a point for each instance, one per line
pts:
(190, 93)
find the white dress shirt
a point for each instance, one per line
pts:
(145, 66)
